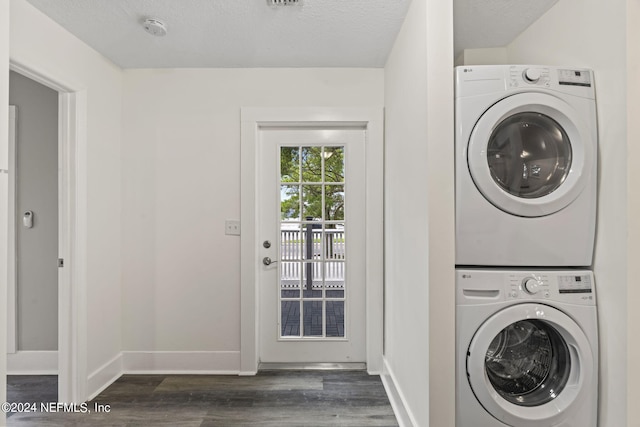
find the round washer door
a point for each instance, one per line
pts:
(530, 154)
(529, 364)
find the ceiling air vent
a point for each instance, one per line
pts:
(283, 2)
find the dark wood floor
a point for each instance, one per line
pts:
(269, 399)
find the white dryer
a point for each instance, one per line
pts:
(527, 349)
(526, 166)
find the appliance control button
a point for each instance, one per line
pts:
(513, 294)
(546, 294)
(531, 285)
(531, 75)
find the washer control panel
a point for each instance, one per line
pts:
(577, 284)
(530, 285)
(574, 78)
(493, 286)
(521, 286)
(564, 286)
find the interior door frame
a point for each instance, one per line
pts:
(252, 121)
(72, 227)
(12, 344)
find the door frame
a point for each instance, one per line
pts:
(252, 121)
(12, 345)
(72, 228)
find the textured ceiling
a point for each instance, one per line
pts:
(235, 33)
(251, 33)
(493, 23)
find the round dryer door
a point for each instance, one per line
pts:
(530, 154)
(529, 364)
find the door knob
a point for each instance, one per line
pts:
(268, 261)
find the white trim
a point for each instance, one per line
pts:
(43, 77)
(398, 403)
(375, 241)
(72, 333)
(104, 376)
(12, 345)
(162, 363)
(32, 363)
(251, 120)
(181, 362)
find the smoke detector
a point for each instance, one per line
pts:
(155, 27)
(283, 2)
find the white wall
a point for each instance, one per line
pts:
(181, 180)
(485, 56)
(595, 37)
(4, 193)
(42, 45)
(406, 215)
(441, 203)
(419, 255)
(37, 191)
(633, 212)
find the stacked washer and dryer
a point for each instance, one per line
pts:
(526, 177)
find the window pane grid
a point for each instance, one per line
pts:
(312, 242)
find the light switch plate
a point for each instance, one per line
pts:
(232, 227)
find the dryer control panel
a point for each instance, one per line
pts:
(473, 80)
(529, 76)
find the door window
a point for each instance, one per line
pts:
(313, 231)
(528, 363)
(529, 155)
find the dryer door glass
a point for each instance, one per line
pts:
(529, 155)
(528, 363)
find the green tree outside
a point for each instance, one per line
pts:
(301, 175)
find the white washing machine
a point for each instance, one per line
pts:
(526, 166)
(527, 348)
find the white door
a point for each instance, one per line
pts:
(311, 238)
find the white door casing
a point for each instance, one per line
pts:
(11, 235)
(255, 120)
(72, 217)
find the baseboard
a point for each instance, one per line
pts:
(104, 376)
(181, 362)
(163, 363)
(396, 397)
(32, 363)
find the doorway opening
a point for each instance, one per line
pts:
(32, 309)
(69, 264)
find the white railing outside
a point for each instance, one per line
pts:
(327, 250)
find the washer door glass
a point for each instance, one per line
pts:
(528, 363)
(529, 155)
